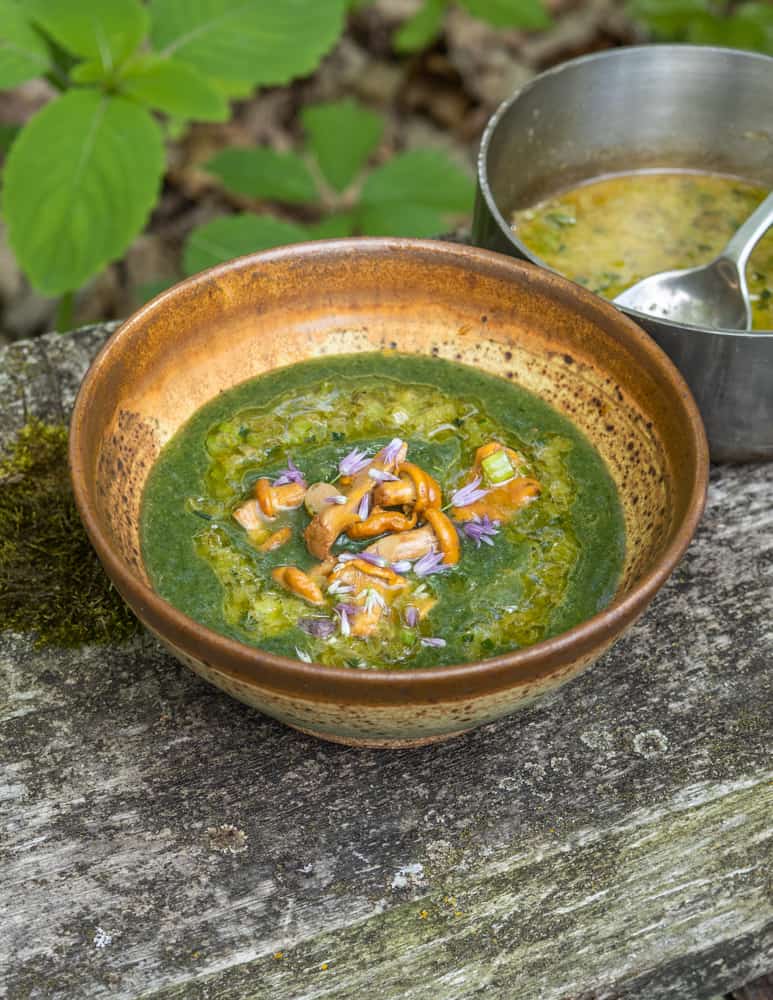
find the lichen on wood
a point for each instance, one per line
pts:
(51, 582)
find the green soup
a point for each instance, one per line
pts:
(610, 233)
(554, 564)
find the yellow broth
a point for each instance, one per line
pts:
(612, 232)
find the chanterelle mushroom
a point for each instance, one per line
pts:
(445, 532)
(326, 526)
(274, 499)
(500, 502)
(415, 488)
(405, 544)
(379, 522)
(299, 583)
(373, 588)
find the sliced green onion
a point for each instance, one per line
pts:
(497, 468)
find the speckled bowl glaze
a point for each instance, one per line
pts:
(507, 318)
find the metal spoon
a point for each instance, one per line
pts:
(714, 295)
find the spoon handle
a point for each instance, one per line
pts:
(745, 239)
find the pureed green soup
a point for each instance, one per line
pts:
(467, 561)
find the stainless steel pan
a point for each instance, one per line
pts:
(679, 106)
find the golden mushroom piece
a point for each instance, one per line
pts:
(379, 522)
(298, 583)
(502, 501)
(273, 499)
(415, 488)
(374, 589)
(446, 535)
(335, 518)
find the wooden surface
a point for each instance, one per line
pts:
(160, 840)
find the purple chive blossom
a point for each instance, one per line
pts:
(320, 628)
(344, 557)
(339, 587)
(292, 474)
(401, 566)
(363, 508)
(353, 463)
(411, 616)
(481, 530)
(391, 452)
(373, 600)
(372, 558)
(383, 477)
(338, 498)
(435, 642)
(468, 494)
(344, 613)
(430, 563)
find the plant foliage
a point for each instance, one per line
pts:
(746, 25)
(236, 235)
(103, 160)
(420, 30)
(414, 193)
(241, 41)
(83, 175)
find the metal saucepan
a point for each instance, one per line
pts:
(680, 106)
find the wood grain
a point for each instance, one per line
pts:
(614, 841)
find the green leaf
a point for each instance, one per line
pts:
(262, 173)
(333, 227)
(342, 135)
(103, 160)
(106, 31)
(90, 71)
(413, 194)
(235, 235)
(23, 52)
(749, 27)
(233, 90)
(509, 13)
(761, 16)
(150, 289)
(175, 88)
(667, 18)
(422, 29)
(399, 219)
(245, 40)
(735, 32)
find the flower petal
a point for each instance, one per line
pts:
(468, 494)
(353, 463)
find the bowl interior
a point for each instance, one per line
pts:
(460, 303)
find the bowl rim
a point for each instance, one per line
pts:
(621, 52)
(392, 685)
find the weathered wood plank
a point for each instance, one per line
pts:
(612, 841)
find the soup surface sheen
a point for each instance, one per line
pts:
(536, 571)
(610, 233)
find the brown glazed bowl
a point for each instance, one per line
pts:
(508, 318)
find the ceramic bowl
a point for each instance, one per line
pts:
(507, 318)
(647, 107)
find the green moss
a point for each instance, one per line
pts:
(51, 582)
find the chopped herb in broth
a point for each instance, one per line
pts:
(382, 511)
(610, 233)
